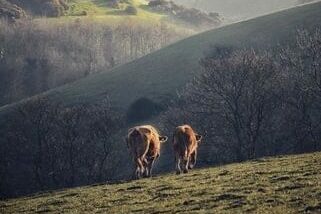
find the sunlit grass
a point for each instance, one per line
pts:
(99, 9)
(289, 184)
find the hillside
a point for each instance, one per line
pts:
(114, 11)
(158, 76)
(289, 184)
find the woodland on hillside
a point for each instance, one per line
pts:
(247, 103)
(37, 56)
(39, 53)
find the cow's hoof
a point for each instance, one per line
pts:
(185, 171)
(178, 172)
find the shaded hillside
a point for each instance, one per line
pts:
(289, 184)
(119, 32)
(158, 76)
(41, 54)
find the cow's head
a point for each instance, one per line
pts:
(163, 139)
(198, 138)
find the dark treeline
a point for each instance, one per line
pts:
(48, 146)
(252, 103)
(38, 55)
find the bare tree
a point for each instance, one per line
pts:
(237, 91)
(301, 65)
(250, 103)
(103, 125)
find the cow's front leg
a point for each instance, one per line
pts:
(136, 172)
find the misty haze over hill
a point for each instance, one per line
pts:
(234, 10)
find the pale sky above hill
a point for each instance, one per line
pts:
(239, 9)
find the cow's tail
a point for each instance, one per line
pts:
(146, 149)
(138, 133)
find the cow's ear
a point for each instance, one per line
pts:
(163, 139)
(198, 138)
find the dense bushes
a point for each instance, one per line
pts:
(131, 10)
(10, 11)
(143, 109)
(251, 103)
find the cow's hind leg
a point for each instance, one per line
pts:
(139, 168)
(146, 167)
(150, 166)
(186, 164)
(192, 160)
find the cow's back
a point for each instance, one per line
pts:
(137, 142)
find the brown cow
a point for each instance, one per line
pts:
(144, 143)
(185, 142)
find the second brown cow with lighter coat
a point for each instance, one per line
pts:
(185, 144)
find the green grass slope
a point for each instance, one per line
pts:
(289, 184)
(102, 10)
(159, 75)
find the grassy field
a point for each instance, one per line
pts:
(158, 76)
(98, 11)
(289, 184)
